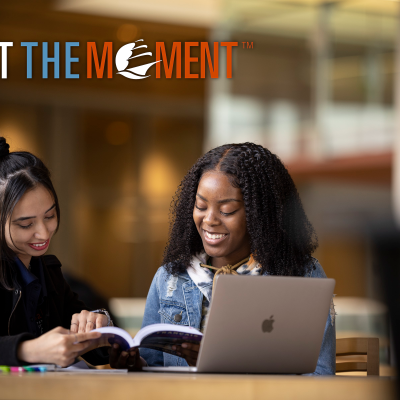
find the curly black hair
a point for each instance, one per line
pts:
(282, 238)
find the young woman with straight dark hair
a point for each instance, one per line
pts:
(41, 319)
(237, 211)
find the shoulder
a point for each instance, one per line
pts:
(315, 270)
(167, 288)
(165, 282)
(162, 276)
(51, 261)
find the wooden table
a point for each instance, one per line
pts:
(163, 386)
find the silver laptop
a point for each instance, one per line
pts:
(263, 324)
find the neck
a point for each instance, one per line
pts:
(219, 262)
(25, 259)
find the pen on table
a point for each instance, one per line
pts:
(36, 368)
(33, 369)
(6, 369)
(17, 369)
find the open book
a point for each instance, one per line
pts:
(159, 337)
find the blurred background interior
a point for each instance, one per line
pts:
(318, 89)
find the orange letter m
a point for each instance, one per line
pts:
(176, 48)
(107, 53)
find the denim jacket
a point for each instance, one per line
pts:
(170, 295)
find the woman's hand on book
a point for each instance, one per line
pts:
(125, 359)
(57, 346)
(86, 321)
(188, 351)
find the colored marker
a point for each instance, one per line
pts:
(4, 369)
(17, 369)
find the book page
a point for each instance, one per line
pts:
(157, 336)
(117, 335)
(164, 340)
(162, 328)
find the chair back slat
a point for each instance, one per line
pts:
(358, 346)
(351, 366)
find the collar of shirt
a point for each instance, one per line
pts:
(26, 276)
(33, 294)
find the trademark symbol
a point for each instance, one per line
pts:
(247, 45)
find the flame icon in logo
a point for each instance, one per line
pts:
(123, 56)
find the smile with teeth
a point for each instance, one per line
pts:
(215, 235)
(39, 246)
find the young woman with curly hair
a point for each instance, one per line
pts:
(237, 210)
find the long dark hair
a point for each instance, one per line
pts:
(20, 171)
(281, 237)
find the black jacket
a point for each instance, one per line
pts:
(60, 304)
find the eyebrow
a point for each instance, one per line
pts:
(24, 218)
(219, 201)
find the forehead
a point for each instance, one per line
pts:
(33, 202)
(215, 185)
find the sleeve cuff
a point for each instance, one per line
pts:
(9, 349)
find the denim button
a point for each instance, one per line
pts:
(178, 317)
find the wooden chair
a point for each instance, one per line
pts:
(368, 347)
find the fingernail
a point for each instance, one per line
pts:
(115, 346)
(124, 354)
(184, 345)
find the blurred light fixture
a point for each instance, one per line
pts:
(118, 133)
(204, 13)
(127, 32)
(158, 177)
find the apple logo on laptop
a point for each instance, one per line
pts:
(267, 324)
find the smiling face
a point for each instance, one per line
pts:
(220, 219)
(32, 224)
